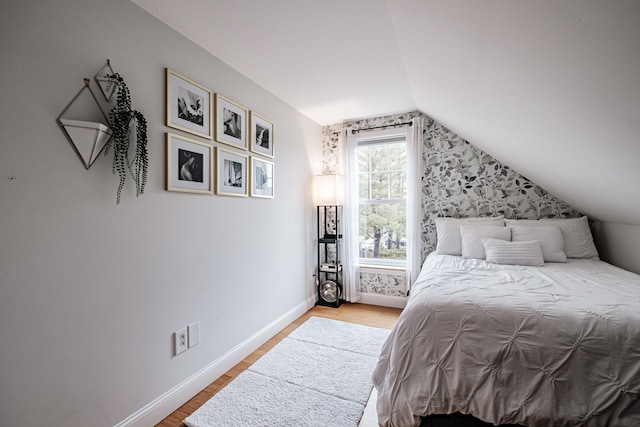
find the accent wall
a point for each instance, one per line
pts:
(458, 180)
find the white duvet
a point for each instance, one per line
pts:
(540, 346)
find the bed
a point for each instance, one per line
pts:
(553, 344)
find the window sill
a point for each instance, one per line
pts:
(382, 267)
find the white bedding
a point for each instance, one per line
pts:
(539, 346)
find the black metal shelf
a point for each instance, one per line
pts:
(330, 290)
(330, 241)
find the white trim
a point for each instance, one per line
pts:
(381, 268)
(383, 300)
(161, 407)
(383, 264)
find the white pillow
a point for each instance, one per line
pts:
(578, 242)
(550, 238)
(514, 253)
(472, 235)
(448, 232)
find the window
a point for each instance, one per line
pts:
(382, 201)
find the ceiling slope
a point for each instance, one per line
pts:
(550, 88)
(329, 59)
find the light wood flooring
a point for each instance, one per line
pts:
(369, 315)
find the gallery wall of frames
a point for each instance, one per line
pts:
(242, 165)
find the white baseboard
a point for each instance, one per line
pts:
(383, 300)
(160, 408)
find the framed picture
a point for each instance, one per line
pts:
(188, 105)
(231, 122)
(232, 177)
(261, 134)
(189, 165)
(261, 178)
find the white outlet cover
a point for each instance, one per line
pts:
(194, 334)
(180, 340)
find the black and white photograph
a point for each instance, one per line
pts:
(189, 165)
(261, 135)
(232, 175)
(261, 178)
(231, 122)
(188, 105)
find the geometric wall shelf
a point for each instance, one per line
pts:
(89, 138)
(107, 85)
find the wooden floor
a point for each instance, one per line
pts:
(369, 315)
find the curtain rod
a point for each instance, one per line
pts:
(354, 131)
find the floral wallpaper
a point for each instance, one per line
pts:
(458, 180)
(330, 149)
(390, 284)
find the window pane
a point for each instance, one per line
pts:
(382, 190)
(378, 157)
(397, 157)
(379, 185)
(398, 185)
(383, 231)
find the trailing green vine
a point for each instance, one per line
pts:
(120, 118)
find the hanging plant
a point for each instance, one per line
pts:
(120, 118)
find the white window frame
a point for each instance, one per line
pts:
(393, 138)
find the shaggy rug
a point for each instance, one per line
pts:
(319, 375)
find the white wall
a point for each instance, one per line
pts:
(91, 292)
(618, 244)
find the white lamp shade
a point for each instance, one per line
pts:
(327, 190)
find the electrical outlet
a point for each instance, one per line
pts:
(180, 340)
(194, 334)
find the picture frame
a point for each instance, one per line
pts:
(189, 165)
(232, 173)
(262, 178)
(261, 134)
(188, 105)
(231, 122)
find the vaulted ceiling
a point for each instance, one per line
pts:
(550, 88)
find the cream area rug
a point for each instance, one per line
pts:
(320, 375)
